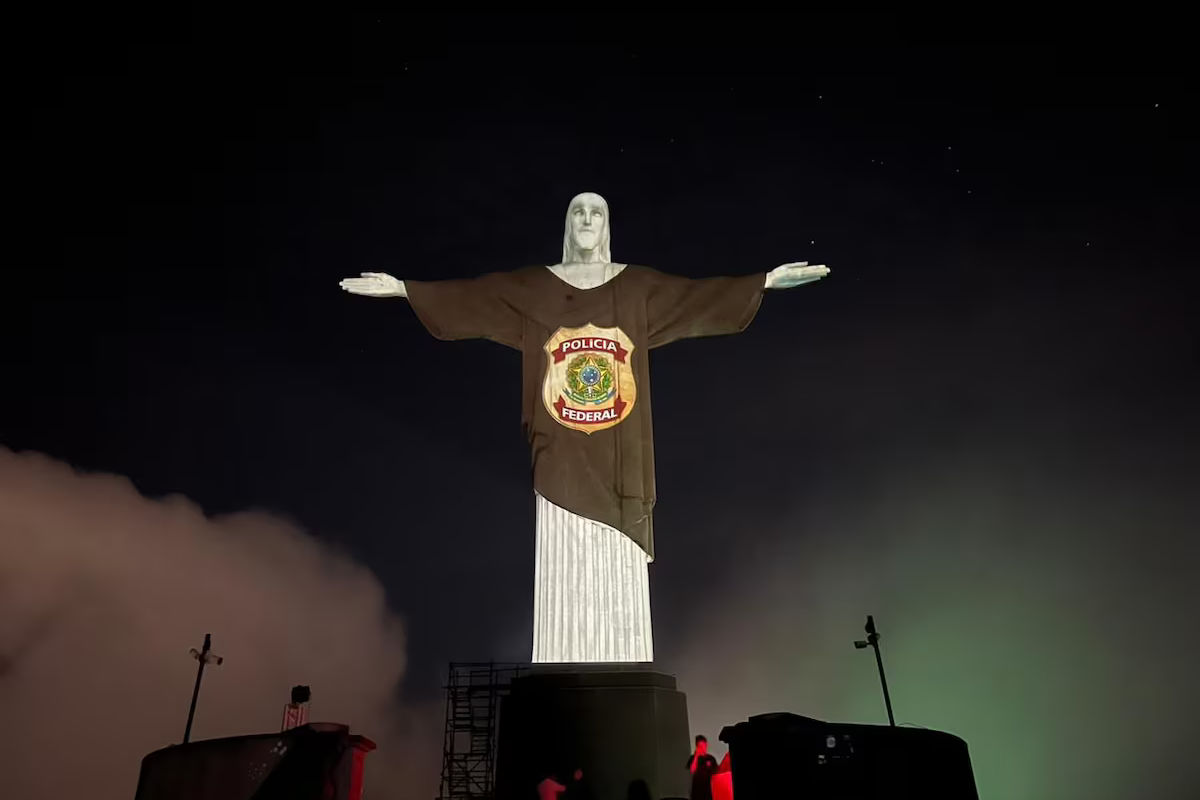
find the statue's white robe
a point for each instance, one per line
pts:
(591, 597)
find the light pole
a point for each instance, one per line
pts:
(204, 656)
(872, 640)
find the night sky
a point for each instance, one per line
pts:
(982, 427)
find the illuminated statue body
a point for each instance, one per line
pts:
(591, 592)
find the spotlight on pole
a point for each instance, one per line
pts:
(872, 640)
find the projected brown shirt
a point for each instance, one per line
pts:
(585, 367)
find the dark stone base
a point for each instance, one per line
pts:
(624, 725)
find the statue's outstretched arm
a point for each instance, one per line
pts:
(462, 308)
(795, 274)
(375, 284)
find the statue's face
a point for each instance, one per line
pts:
(588, 217)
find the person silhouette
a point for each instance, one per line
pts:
(577, 787)
(702, 766)
(638, 790)
(550, 788)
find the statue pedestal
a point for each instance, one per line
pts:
(624, 725)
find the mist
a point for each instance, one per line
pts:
(103, 592)
(1035, 599)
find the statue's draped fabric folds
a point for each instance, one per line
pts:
(591, 591)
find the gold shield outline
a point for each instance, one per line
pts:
(617, 346)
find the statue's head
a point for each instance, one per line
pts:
(587, 233)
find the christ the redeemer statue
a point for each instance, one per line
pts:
(584, 327)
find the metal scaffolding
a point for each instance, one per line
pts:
(473, 692)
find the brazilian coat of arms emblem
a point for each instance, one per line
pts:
(589, 383)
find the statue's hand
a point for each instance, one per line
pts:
(375, 284)
(795, 274)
